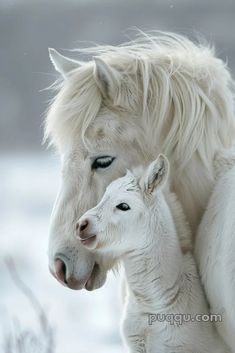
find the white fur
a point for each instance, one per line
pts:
(161, 279)
(215, 247)
(159, 93)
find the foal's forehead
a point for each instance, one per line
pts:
(128, 183)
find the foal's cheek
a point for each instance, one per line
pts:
(114, 223)
(110, 232)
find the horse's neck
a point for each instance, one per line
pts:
(192, 184)
(193, 188)
(153, 272)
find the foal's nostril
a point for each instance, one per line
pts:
(83, 225)
(60, 270)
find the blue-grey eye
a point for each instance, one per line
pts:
(123, 206)
(102, 162)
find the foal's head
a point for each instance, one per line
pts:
(120, 221)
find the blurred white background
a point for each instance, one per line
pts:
(83, 321)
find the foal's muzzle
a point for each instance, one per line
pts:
(84, 233)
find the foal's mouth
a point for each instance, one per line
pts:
(88, 241)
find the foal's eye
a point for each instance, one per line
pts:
(102, 162)
(123, 206)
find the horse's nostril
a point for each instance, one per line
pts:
(60, 270)
(83, 225)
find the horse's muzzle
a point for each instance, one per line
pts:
(62, 274)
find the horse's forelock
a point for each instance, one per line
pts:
(74, 108)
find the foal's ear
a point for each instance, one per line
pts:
(61, 63)
(107, 78)
(156, 174)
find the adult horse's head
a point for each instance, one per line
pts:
(98, 140)
(120, 110)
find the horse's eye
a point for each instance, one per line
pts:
(123, 206)
(102, 162)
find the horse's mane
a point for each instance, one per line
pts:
(183, 92)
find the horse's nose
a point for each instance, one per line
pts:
(82, 226)
(60, 271)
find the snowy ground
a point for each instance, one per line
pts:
(83, 321)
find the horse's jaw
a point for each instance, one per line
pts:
(96, 279)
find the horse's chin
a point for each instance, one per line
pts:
(96, 279)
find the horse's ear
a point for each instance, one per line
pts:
(129, 173)
(156, 174)
(61, 63)
(107, 78)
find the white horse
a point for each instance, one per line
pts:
(133, 223)
(159, 93)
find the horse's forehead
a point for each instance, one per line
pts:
(107, 122)
(103, 134)
(75, 152)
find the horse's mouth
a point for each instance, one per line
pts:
(90, 283)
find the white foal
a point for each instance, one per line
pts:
(165, 302)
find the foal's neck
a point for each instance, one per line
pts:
(153, 272)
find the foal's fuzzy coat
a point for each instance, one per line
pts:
(134, 223)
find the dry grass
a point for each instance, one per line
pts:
(28, 340)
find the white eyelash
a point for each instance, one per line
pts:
(104, 160)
